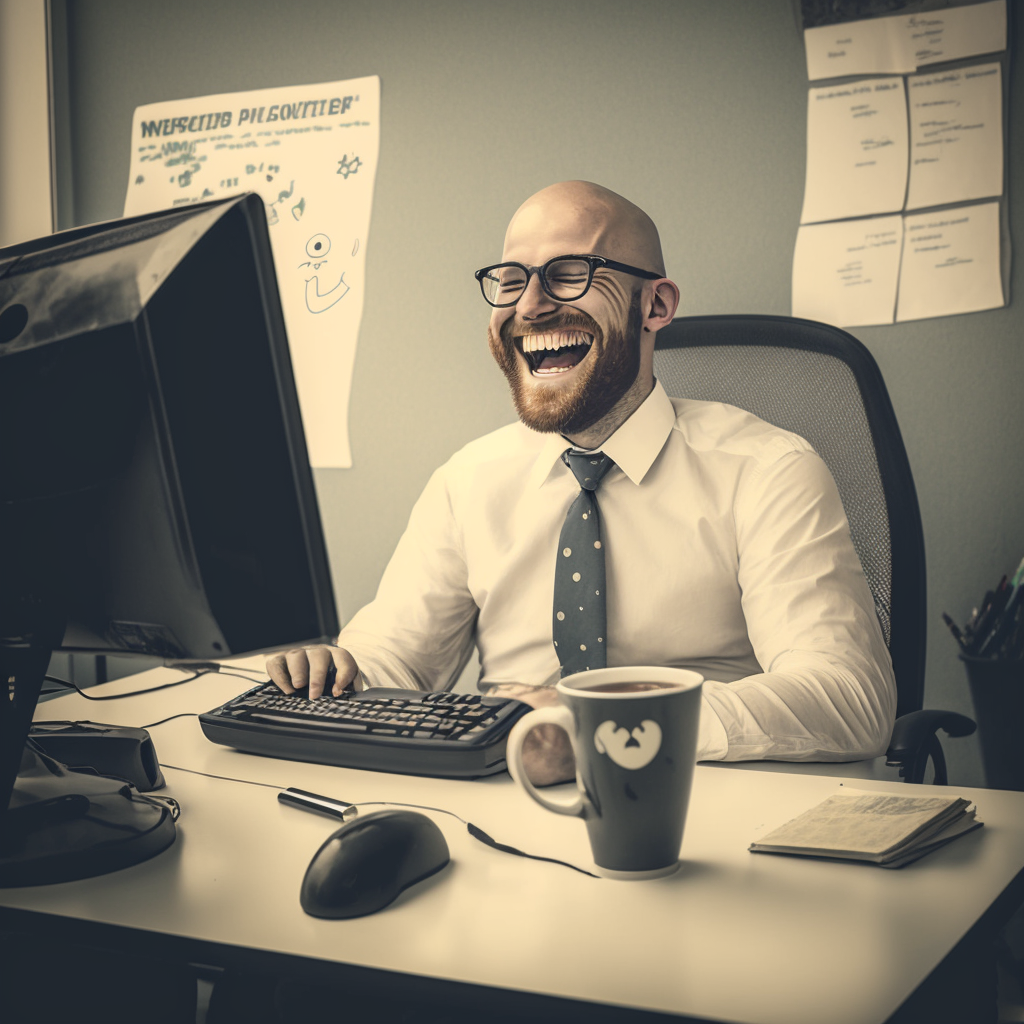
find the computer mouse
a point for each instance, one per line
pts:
(363, 866)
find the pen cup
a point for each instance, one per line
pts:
(634, 733)
(997, 691)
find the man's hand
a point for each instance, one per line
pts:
(547, 753)
(310, 668)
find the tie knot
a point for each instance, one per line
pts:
(587, 468)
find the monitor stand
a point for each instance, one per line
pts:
(57, 825)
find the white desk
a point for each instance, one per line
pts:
(731, 936)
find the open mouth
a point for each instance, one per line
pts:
(555, 351)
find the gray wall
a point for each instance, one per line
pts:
(694, 109)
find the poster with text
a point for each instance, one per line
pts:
(310, 152)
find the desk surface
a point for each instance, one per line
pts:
(731, 936)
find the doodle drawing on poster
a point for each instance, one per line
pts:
(310, 152)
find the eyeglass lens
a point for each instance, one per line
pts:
(563, 279)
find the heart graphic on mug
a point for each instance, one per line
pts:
(627, 749)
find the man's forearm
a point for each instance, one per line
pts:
(808, 710)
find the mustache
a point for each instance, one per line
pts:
(571, 319)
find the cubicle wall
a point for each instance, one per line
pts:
(694, 109)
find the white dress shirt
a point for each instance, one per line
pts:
(727, 551)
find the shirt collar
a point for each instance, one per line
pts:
(633, 447)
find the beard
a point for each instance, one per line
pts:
(613, 367)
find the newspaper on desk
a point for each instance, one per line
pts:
(878, 828)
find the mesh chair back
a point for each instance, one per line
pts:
(823, 384)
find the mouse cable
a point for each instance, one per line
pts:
(206, 669)
(474, 830)
(477, 833)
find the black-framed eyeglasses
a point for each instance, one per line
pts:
(564, 278)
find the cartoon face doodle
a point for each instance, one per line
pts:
(627, 749)
(317, 301)
(317, 248)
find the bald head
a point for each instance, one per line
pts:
(581, 217)
(582, 365)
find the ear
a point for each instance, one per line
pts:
(664, 302)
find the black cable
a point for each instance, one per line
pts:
(206, 669)
(163, 803)
(474, 830)
(251, 679)
(210, 666)
(224, 778)
(170, 718)
(118, 696)
(478, 833)
(167, 803)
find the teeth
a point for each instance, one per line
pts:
(554, 340)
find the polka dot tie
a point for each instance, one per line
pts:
(579, 622)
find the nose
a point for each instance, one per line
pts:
(534, 302)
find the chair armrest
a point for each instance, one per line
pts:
(914, 740)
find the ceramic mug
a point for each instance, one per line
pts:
(634, 734)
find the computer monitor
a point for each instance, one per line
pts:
(155, 491)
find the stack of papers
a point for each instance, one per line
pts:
(910, 135)
(878, 828)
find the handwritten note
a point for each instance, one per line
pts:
(857, 150)
(846, 273)
(956, 136)
(950, 263)
(904, 43)
(957, 32)
(310, 152)
(869, 47)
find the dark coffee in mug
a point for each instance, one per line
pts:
(629, 687)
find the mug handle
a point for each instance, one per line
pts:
(556, 714)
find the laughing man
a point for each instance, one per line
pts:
(727, 550)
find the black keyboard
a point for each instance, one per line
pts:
(446, 735)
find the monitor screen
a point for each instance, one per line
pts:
(155, 492)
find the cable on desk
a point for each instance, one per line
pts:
(168, 803)
(474, 830)
(162, 803)
(479, 834)
(252, 679)
(119, 696)
(170, 718)
(213, 666)
(223, 778)
(204, 668)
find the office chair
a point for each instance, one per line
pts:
(824, 385)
